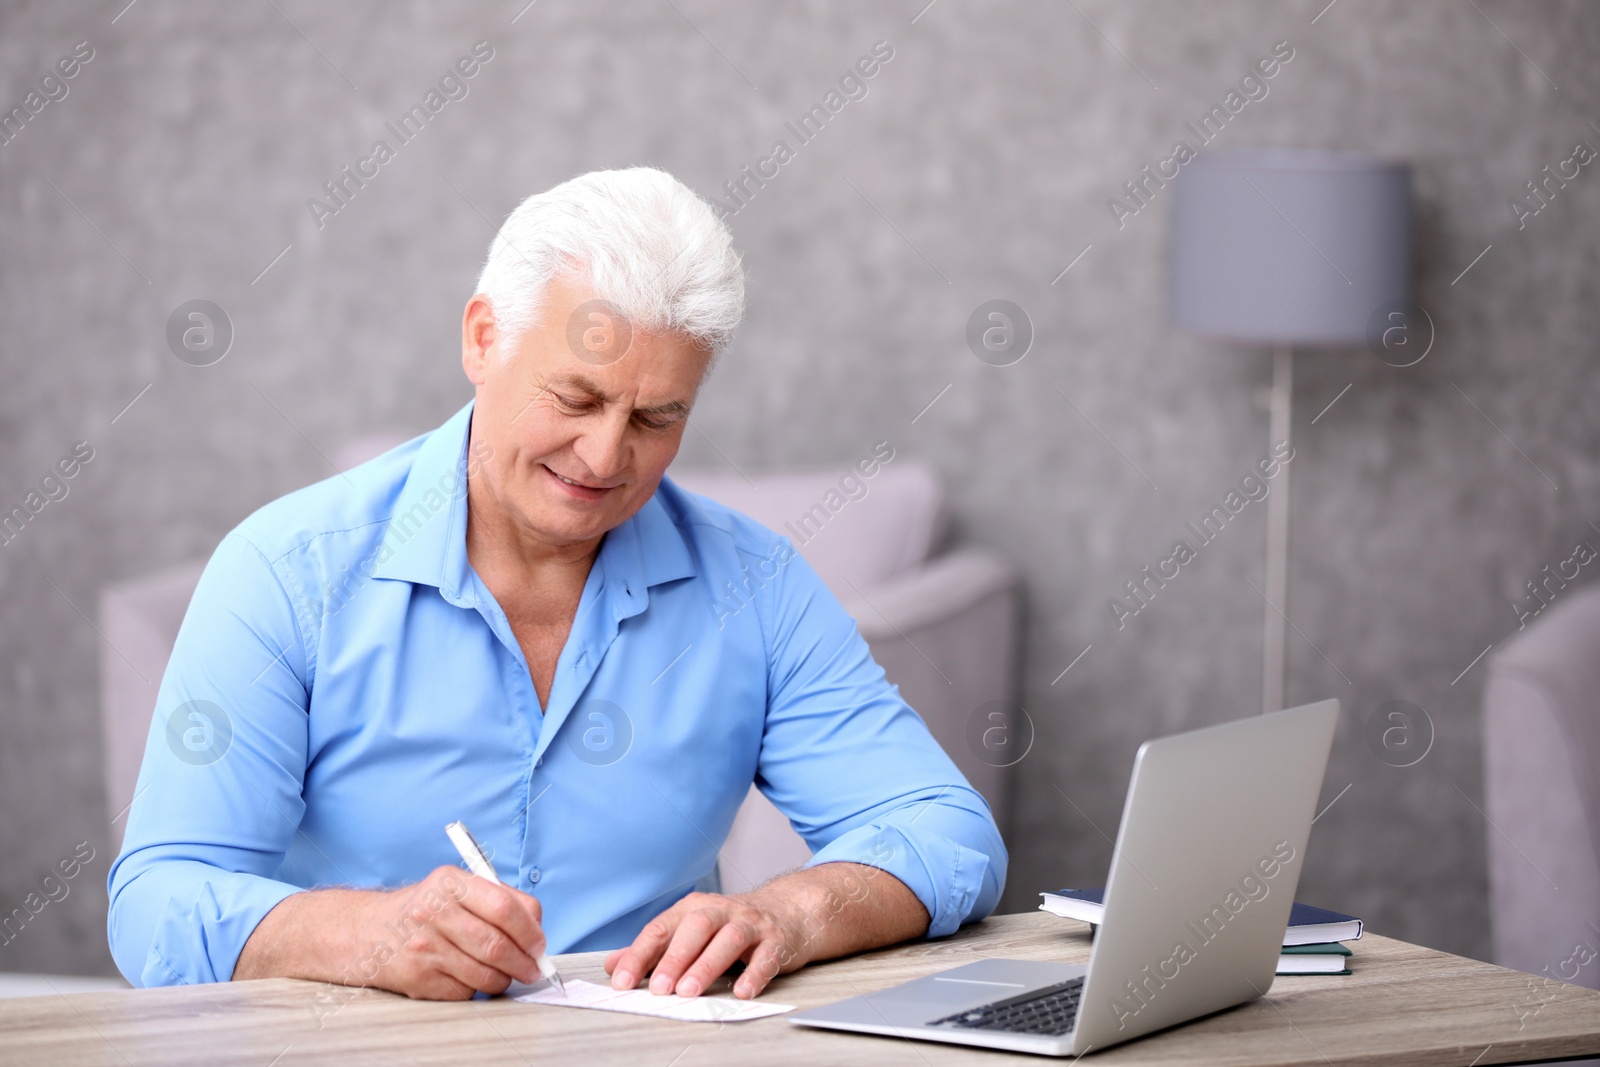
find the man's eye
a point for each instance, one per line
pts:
(570, 404)
(653, 423)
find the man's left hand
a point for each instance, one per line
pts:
(691, 944)
(816, 913)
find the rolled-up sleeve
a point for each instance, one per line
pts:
(218, 799)
(854, 767)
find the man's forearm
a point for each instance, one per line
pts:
(839, 908)
(307, 935)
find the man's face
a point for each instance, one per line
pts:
(582, 429)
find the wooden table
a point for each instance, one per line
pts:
(1404, 1005)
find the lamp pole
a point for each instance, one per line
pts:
(1275, 630)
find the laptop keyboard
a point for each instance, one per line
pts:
(1051, 1011)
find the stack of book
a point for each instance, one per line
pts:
(1313, 943)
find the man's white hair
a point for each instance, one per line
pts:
(640, 238)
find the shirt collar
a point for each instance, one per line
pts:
(426, 540)
(645, 551)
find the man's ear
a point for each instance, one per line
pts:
(480, 339)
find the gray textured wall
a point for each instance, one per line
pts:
(978, 166)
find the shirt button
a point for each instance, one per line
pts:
(534, 876)
(539, 762)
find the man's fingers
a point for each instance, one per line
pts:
(472, 974)
(489, 947)
(728, 945)
(765, 962)
(637, 959)
(694, 942)
(509, 910)
(694, 932)
(458, 962)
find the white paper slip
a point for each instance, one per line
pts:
(581, 994)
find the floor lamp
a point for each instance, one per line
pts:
(1287, 247)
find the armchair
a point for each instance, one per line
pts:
(1541, 746)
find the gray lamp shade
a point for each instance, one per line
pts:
(1288, 246)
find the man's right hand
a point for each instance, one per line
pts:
(441, 939)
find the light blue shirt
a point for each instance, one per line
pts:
(344, 685)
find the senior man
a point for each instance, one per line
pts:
(512, 621)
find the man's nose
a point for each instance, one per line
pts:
(603, 447)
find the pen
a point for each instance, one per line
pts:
(478, 863)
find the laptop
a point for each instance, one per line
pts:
(1209, 853)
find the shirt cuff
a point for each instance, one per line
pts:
(956, 884)
(200, 923)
